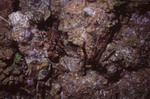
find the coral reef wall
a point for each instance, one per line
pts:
(72, 49)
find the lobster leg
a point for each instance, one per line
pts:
(45, 46)
(51, 54)
(43, 41)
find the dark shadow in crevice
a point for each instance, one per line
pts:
(48, 23)
(145, 9)
(16, 5)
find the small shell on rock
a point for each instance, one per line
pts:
(11, 77)
(5, 81)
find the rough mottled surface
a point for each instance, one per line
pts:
(83, 21)
(71, 49)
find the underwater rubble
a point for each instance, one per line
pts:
(72, 49)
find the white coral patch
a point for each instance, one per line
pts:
(89, 11)
(18, 19)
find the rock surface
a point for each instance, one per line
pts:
(71, 49)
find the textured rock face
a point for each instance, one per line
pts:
(70, 63)
(23, 34)
(135, 83)
(42, 7)
(72, 49)
(131, 41)
(83, 21)
(5, 37)
(137, 6)
(28, 39)
(6, 53)
(12, 74)
(6, 7)
(132, 85)
(72, 83)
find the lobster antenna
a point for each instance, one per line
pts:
(4, 20)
